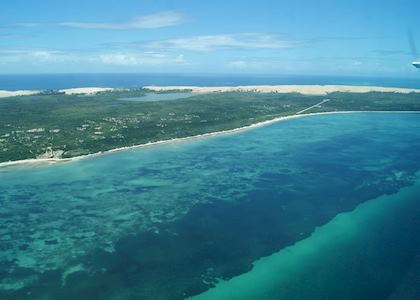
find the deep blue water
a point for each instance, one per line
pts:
(60, 81)
(331, 201)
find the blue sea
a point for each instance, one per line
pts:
(313, 208)
(62, 81)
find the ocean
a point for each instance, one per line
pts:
(62, 81)
(319, 207)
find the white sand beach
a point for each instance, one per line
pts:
(303, 89)
(37, 161)
(4, 94)
(72, 91)
(85, 90)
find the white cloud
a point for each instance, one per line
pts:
(254, 64)
(50, 56)
(180, 58)
(158, 20)
(29, 25)
(35, 56)
(238, 64)
(45, 56)
(220, 41)
(138, 59)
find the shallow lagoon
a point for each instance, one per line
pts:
(171, 221)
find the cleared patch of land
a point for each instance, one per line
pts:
(64, 125)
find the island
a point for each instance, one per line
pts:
(67, 124)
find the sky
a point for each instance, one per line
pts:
(301, 37)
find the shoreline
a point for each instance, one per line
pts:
(44, 161)
(301, 88)
(70, 91)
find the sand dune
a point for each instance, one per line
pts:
(85, 90)
(303, 89)
(72, 91)
(4, 94)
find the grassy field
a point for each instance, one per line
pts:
(58, 125)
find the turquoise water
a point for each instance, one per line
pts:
(321, 207)
(340, 259)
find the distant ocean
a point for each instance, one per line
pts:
(60, 81)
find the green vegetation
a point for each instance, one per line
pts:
(57, 125)
(373, 101)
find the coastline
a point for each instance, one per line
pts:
(42, 161)
(71, 91)
(5, 94)
(302, 89)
